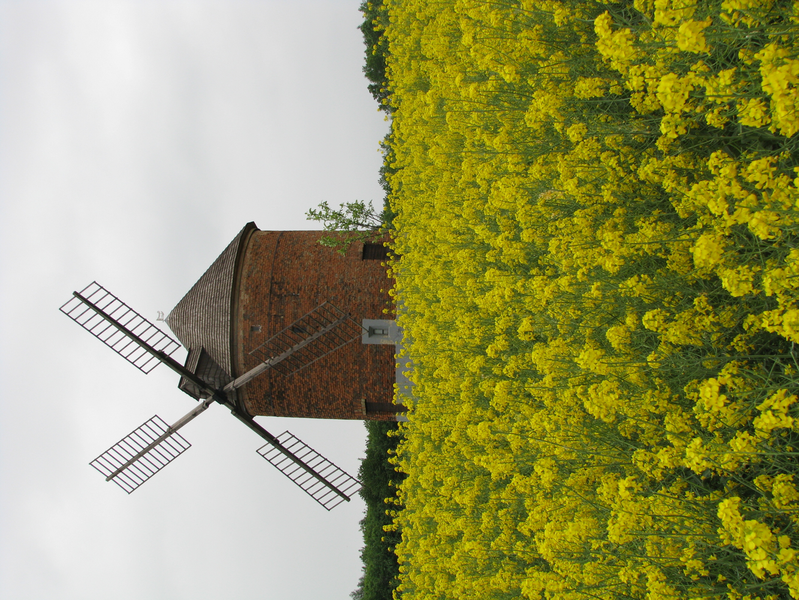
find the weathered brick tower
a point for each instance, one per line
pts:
(263, 287)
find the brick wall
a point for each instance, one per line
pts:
(283, 276)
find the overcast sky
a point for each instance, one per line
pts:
(136, 139)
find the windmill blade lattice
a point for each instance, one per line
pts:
(111, 462)
(311, 337)
(82, 308)
(323, 494)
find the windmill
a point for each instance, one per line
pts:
(150, 447)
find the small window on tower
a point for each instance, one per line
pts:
(374, 252)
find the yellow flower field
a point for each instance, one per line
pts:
(599, 281)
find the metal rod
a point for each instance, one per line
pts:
(169, 431)
(273, 441)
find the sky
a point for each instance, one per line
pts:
(136, 140)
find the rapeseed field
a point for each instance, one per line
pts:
(598, 229)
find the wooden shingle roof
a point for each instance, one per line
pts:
(203, 318)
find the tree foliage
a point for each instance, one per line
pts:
(380, 480)
(350, 216)
(356, 221)
(359, 221)
(375, 20)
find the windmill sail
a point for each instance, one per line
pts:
(304, 466)
(311, 337)
(311, 478)
(150, 447)
(119, 327)
(141, 454)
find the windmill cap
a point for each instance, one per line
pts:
(203, 319)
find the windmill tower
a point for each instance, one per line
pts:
(278, 325)
(246, 307)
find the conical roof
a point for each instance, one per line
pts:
(203, 318)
